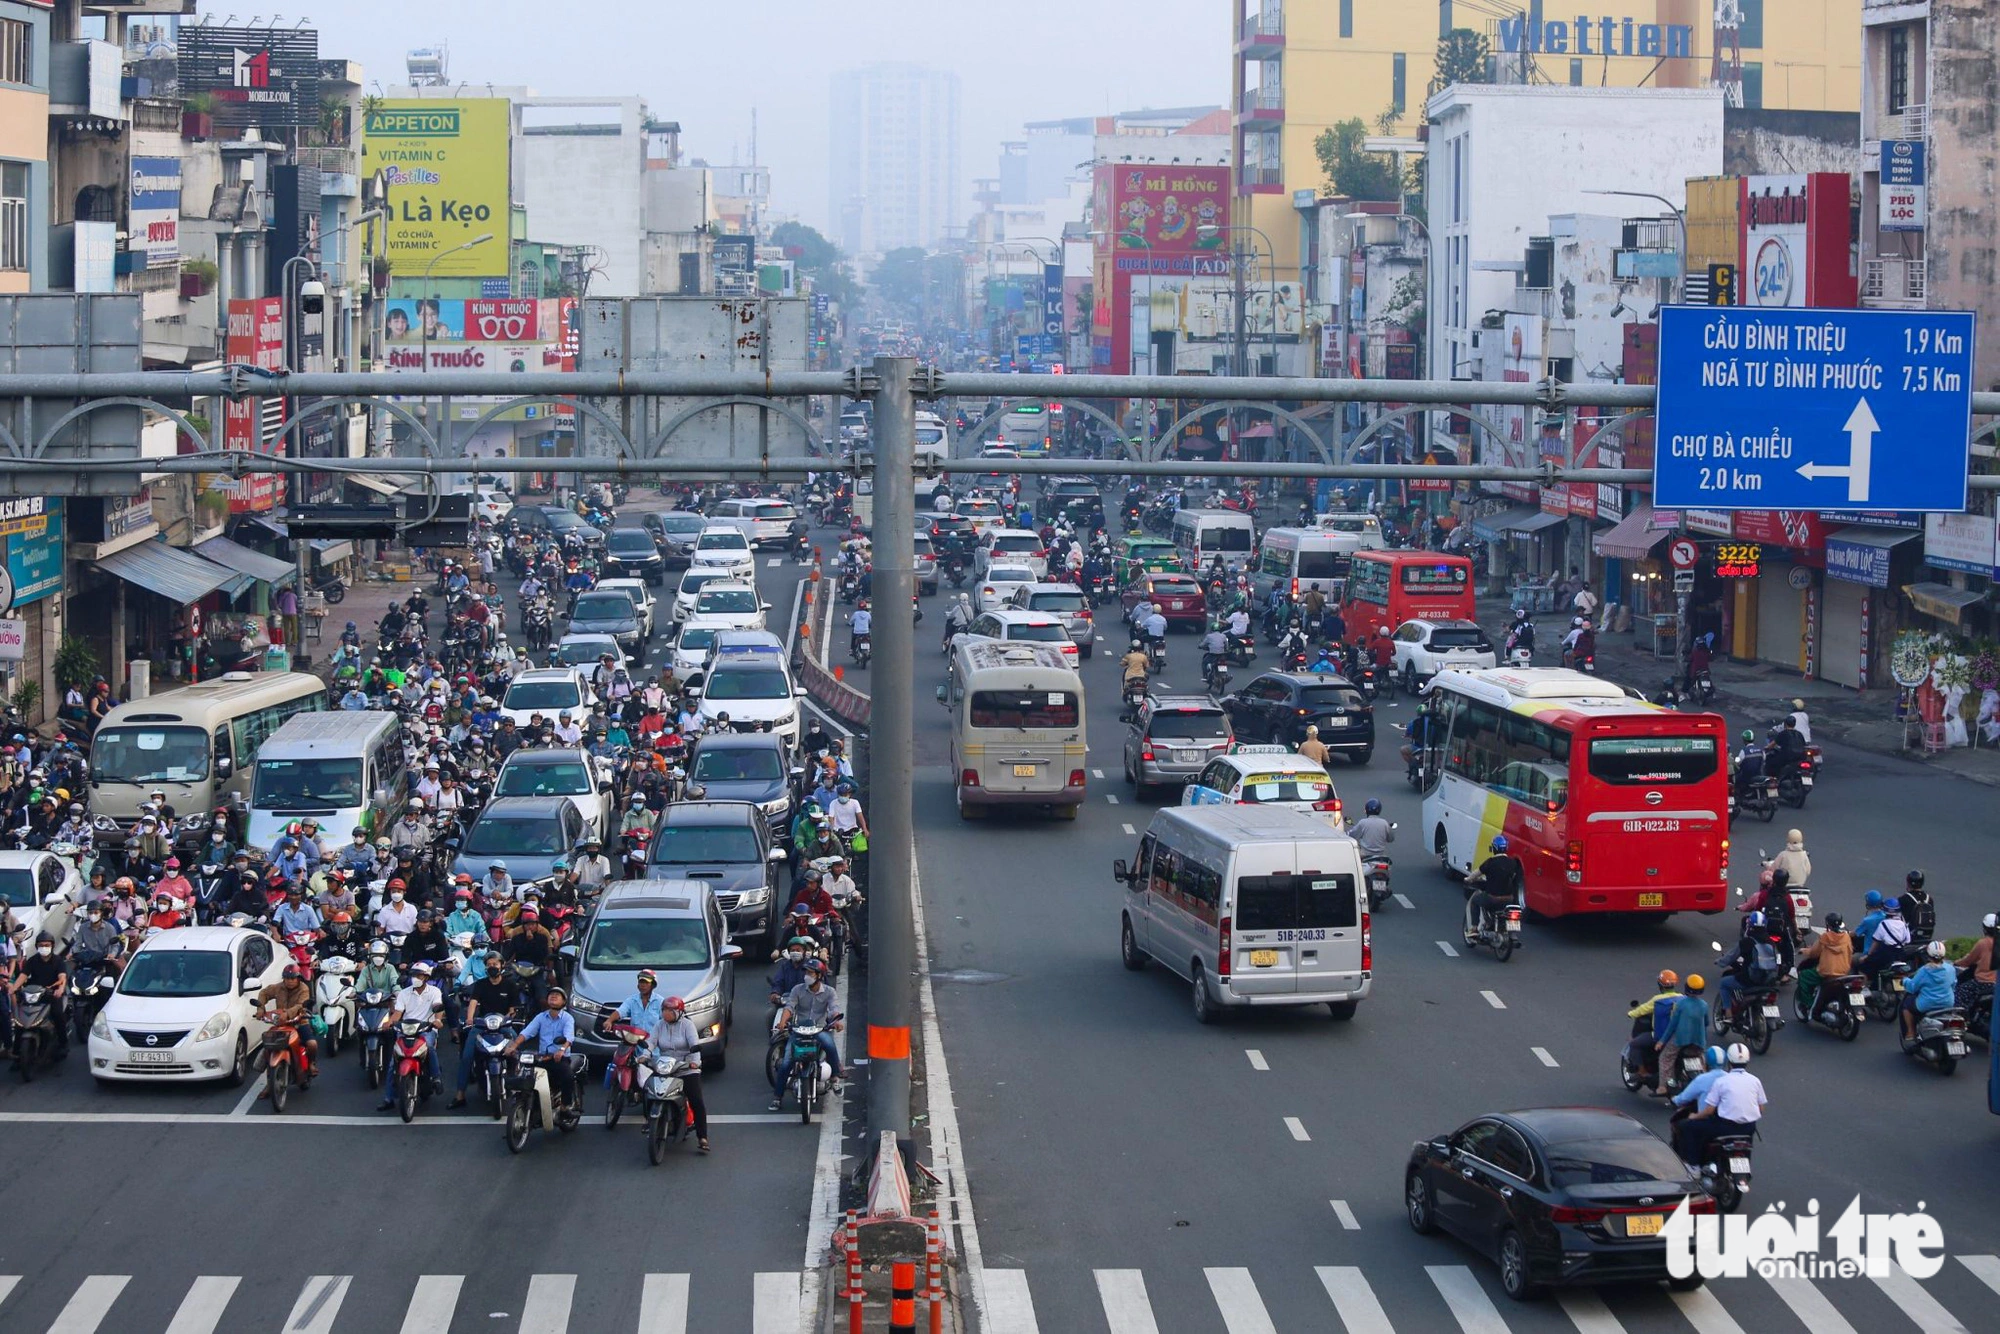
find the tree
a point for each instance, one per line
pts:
(1350, 169)
(1462, 57)
(817, 258)
(899, 278)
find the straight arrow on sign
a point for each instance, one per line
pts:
(1861, 427)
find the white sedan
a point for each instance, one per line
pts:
(42, 891)
(1423, 648)
(727, 550)
(732, 602)
(1000, 585)
(184, 1007)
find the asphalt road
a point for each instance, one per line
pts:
(196, 1209)
(1134, 1171)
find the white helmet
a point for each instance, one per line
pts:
(1935, 949)
(1738, 1056)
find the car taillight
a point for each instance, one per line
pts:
(1367, 944)
(1076, 778)
(1331, 805)
(1084, 616)
(1040, 555)
(968, 778)
(1701, 1204)
(1146, 754)
(1565, 1213)
(1574, 866)
(1222, 951)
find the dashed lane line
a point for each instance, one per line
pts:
(1494, 1000)
(1542, 1055)
(1257, 1061)
(1404, 900)
(1298, 1129)
(1346, 1216)
(1449, 952)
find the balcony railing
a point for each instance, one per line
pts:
(1267, 24)
(1262, 176)
(1912, 122)
(329, 161)
(1261, 101)
(1894, 282)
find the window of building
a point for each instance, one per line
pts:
(1576, 74)
(1750, 33)
(1346, 18)
(1753, 84)
(13, 215)
(17, 45)
(1899, 70)
(1398, 81)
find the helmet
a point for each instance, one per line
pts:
(1934, 950)
(646, 975)
(1873, 898)
(1499, 843)
(1373, 807)
(674, 1003)
(1714, 1058)
(1915, 880)
(815, 965)
(1754, 919)
(1834, 921)
(173, 863)
(1137, 646)
(1669, 978)
(1739, 1055)
(462, 878)
(1894, 907)
(1695, 984)
(379, 950)
(343, 919)
(1799, 705)
(291, 973)
(1749, 738)
(530, 915)
(1990, 921)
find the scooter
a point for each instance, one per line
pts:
(413, 1045)
(372, 1022)
(1724, 1167)
(1756, 1015)
(1241, 649)
(624, 1073)
(1840, 1004)
(89, 987)
(532, 1103)
(489, 1039)
(36, 1041)
(285, 1064)
(1635, 1076)
(1940, 1039)
(1500, 932)
(811, 1072)
(333, 589)
(1885, 998)
(1135, 695)
(333, 1000)
(667, 1117)
(1377, 869)
(860, 650)
(1215, 675)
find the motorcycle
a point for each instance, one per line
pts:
(211, 891)
(847, 931)
(1156, 654)
(1501, 933)
(532, 1102)
(1756, 1015)
(667, 1116)
(90, 987)
(333, 1000)
(1368, 678)
(1242, 648)
(413, 1044)
(1795, 783)
(625, 1072)
(1940, 1039)
(1757, 796)
(1885, 998)
(1724, 1167)
(1704, 687)
(490, 1037)
(333, 589)
(372, 1021)
(1840, 1004)
(811, 1072)
(1215, 675)
(36, 1041)
(1134, 696)
(1634, 1074)
(860, 650)
(284, 1061)
(1377, 869)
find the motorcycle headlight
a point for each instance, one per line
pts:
(100, 1028)
(215, 1027)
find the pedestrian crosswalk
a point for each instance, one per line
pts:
(1445, 1297)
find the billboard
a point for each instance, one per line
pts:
(1900, 207)
(154, 196)
(446, 164)
(265, 77)
(508, 320)
(1796, 235)
(256, 338)
(1162, 210)
(463, 356)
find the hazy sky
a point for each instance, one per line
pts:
(707, 65)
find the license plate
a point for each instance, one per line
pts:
(1858, 1000)
(1643, 1225)
(1770, 1012)
(1024, 771)
(1805, 780)
(1336, 717)
(152, 1058)
(1955, 1048)
(1652, 900)
(1263, 958)
(1739, 1165)
(1188, 757)
(1895, 984)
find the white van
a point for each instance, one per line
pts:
(1365, 526)
(1202, 535)
(762, 520)
(343, 769)
(933, 446)
(1252, 905)
(1300, 557)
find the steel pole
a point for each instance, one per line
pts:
(891, 843)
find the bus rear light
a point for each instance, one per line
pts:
(1574, 866)
(1222, 951)
(1076, 778)
(968, 778)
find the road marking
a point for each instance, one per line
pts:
(775, 1309)
(1494, 1000)
(663, 1304)
(384, 1120)
(1354, 1300)
(432, 1304)
(1009, 1308)
(1449, 952)
(1129, 830)
(1542, 1055)
(1348, 1221)
(1097, 773)
(825, 1209)
(1298, 1129)
(1469, 1304)
(1110, 797)
(1916, 1303)
(1985, 1268)
(1588, 1312)
(1126, 1307)
(201, 1310)
(546, 1310)
(249, 1098)
(1236, 1296)
(1810, 1305)
(1704, 1311)
(1404, 899)
(89, 1304)
(774, 562)
(7, 1284)
(1257, 1061)
(319, 1300)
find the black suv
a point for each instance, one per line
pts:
(1277, 707)
(555, 521)
(727, 846)
(747, 766)
(631, 553)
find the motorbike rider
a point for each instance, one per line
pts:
(553, 1032)
(1749, 765)
(463, 916)
(427, 942)
(1761, 957)
(1732, 1105)
(357, 857)
(1686, 1026)
(1135, 666)
(1498, 885)
(396, 915)
(1214, 647)
(292, 999)
(342, 940)
(1874, 909)
(1976, 971)
(860, 624)
(49, 970)
(591, 866)
(1153, 629)
(1315, 750)
(94, 940)
(790, 972)
(498, 886)
(1919, 913)
(174, 883)
(641, 1009)
(1649, 1023)
(1830, 955)
(1371, 831)
(675, 1035)
(1889, 944)
(1714, 1058)
(295, 916)
(423, 1002)
(1788, 747)
(1932, 987)
(1797, 865)
(809, 1003)
(494, 991)
(378, 974)
(532, 943)
(1800, 721)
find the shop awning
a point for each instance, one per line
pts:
(1538, 520)
(178, 576)
(331, 549)
(1631, 538)
(245, 561)
(1860, 555)
(1493, 527)
(1941, 600)
(381, 485)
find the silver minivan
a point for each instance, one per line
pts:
(673, 927)
(1252, 905)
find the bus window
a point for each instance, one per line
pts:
(1368, 581)
(1023, 708)
(1662, 760)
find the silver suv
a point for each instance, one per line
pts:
(1068, 604)
(673, 927)
(1172, 738)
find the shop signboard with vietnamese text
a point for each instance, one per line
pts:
(1901, 204)
(32, 528)
(266, 77)
(154, 198)
(446, 162)
(1960, 542)
(256, 337)
(480, 320)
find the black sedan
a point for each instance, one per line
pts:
(1277, 707)
(1556, 1195)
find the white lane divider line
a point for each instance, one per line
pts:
(663, 1304)
(1588, 1312)
(1127, 1309)
(1354, 1299)
(1009, 1308)
(1097, 773)
(319, 1302)
(1345, 1214)
(1469, 1304)
(1257, 1061)
(1542, 1055)
(1111, 797)
(1236, 1297)
(1449, 952)
(774, 1305)
(89, 1304)
(1916, 1303)
(1704, 1311)
(1298, 1129)
(1404, 900)
(1494, 1000)
(546, 1310)
(1810, 1305)
(433, 1302)
(201, 1310)
(1130, 832)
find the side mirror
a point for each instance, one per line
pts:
(693, 691)
(798, 773)
(798, 692)
(941, 695)
(778, 855)
(732, 951)
(251, 985)
(763, 606)
(568, 952)
(223, 764)
(1121, 872)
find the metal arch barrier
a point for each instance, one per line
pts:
(40, 447)
(1289, 416)
(326, 404)
(658, 441)
(959, 438)
(589, 410)
(1479, 419)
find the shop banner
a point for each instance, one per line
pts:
(1857, 563)
(1961, 542)
(34, 540)
(1800, 530)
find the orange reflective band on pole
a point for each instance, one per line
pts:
(903, 1298)
(888, 1044)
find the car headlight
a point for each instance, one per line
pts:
(701, 1004)
(215, 1027)
(752, 898)
(778, 807)
(100, 1028)
(199, 820)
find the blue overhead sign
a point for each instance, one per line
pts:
(1805, 409)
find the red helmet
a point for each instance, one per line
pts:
(674, 1003)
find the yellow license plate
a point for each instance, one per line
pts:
(1263, 958)
(1652, 900)
(1024, 771)
(1643, 1225)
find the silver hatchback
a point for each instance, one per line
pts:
(1172, 738)
(1068, 604)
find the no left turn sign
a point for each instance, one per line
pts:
(1683, 553)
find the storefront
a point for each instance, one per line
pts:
(1633, 577)
(1856, 621)
(1960, 557)
(190, 617)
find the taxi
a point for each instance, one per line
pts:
(1154, 554)
(1266, 776)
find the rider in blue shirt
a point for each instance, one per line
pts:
(641, 1009)
(1691, 1095)
(553, 1032)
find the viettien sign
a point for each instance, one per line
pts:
(1790, 409)
(1590, 35)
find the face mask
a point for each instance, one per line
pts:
(45, 950)
(97, 917)
(797, 956)
(396, 897)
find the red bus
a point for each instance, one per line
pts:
(1612, 804)
(1390, 587)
